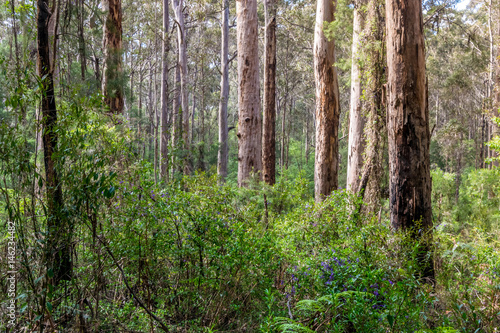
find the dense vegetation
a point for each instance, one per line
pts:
(194, 254)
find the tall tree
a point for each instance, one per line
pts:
(222, 156)
(356, 118)
(164, 95)
(178, 6)
(375, 128)
(112, 85)
(249, 122)
(327, 104)
(408, 124)
(269, 123)
(58, 256)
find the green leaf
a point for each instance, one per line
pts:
(390, 319)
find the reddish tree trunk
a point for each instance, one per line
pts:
(269, 124)
(327, 105)
(249, 122)
(408, 125)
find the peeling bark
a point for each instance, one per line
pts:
(327, 105)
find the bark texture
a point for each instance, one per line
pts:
(112, 83)
(249, 121)
(178, 5)
(222, 157)
(269, 123)
(327, 105)
(356, 118)
(164, 95)
(58, 254)
(375, 128)
(409, 135)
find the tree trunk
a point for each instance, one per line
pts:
(164, 95)
(249, 122)
(356, 118)
(222, 156)
(58, 254)
(409, 136)
(283, 131)
(181, 41)
(81, 38)
(327, 105)
(112, 85)
(176, 118)
(269, 123)
(375, 128)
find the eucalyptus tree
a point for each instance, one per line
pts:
(58, 252)
(408, 125)
(269, 123)
(222, 156)
(164, 93)
(327, 104)
(112, 83)
(178, 6)
(356, 117)
(249, 120)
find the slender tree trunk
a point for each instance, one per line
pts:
(356, 118)
(201, 117)
(58, 243)
(112, 85)
(164, 95)
(249, 122)
(181, 40)
(81, 38)
(176, 118)
(409, 136)
(222, 155)
(496, 113)
(269, 123)
(283, 131)
(327, 105)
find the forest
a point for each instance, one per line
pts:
(250, 166)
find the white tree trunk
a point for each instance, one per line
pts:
(164, 95)
(356, 118)
(181, 40)
(222, 156)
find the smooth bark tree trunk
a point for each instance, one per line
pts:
(357, 120)
(112, 83)
(176, 119)
(327, 105)
(269, 122)
(408, 121)
(222, 155)
(178, 5)
(249, 121)
(58, 253)
(164, 95)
